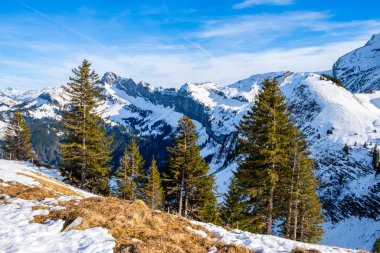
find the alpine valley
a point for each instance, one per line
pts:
(330, 116)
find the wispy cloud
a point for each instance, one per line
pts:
(275, 25)
(174, 69)
(250, 3)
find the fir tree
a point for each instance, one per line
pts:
(304, 211)
(275, 174)
(233, 210)
(189, 188)
(153, 187)
(85, 149)
(262, 154)
(376, 159)
(376, 246)
(131, 173)
(17, 139)
(346, 149)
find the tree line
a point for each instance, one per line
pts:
(273, 188)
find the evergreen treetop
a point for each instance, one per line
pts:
(17, 139)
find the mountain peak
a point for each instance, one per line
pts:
(359, 70)
(11, 92)
(374, 41)
(109, 78)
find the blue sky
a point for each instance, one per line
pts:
(168, 43)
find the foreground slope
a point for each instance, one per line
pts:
(42, 214)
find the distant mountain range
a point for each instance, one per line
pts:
(349, 188)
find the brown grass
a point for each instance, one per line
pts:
(157, 231)
(16, 190)
(53, 184)
(302, 250)
(39, 207)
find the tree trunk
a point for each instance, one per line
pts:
(83, 174)
(296, 208)
(289, 216)
(301, 227)
(186, 203)
(180, 204)
(270, 212)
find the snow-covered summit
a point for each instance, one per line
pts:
(360, 69)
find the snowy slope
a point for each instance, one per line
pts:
(19, 234)
(266, 243)
(360, 69)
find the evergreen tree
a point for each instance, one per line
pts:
(346, 149)
(275, 179)
(376, 159)
(376, 246)
(85, 149)
(263, 155)
(131, 173)
(304, 210)
(189, 188)
(17, 139)
(233, 210)
(153, 188)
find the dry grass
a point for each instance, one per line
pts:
(39, 207)
(16, 190)
(302, 250)
(53, 184)
(127, 221)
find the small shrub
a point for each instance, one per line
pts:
(302, 250)
(334, 79)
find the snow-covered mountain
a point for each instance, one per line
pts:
(349, 188)
(360, 69)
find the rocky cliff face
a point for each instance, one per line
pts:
(360, 69)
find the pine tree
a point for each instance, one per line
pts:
(262, 147)
(233, 210)
(153, 188)
(85, 149)
(189, 188)
(17, 139)
(131, 173)
(275, 179)
(376, 159)
(346, 149)
(376, 246)
(304, 210)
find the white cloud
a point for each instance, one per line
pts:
(275, 25)
(250, 3)
(173, 70)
